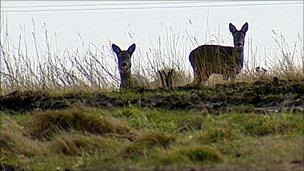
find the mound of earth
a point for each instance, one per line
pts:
(258, 96)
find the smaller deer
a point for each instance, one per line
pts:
(166, 78)
(214, 59)
(127, 80)
(171, 78)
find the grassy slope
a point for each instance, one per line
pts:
(221, 127)
(145, 138)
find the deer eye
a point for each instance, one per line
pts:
(124, 65)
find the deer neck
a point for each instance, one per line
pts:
(125, 80)
(239, 56)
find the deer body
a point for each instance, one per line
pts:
(127, 80)
(214, 59)
(138, 80)
(166, 78)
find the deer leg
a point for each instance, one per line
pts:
(161, 74)
(205, 75)
(201, 77)
(197, 78)
(169, 80)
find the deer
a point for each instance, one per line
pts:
(127, 79)
(215, 59)
(167, 78)
(171, 78)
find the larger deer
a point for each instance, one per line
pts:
(214, 59)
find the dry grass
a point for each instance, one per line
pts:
(91, 67)
(155, 138)
(147, 142)
(12, 138)
(46, 124)
(78, 144)
(140, 138)
(15, 145)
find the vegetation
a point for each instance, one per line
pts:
(64, 112)
(147, 138)
(230, 126)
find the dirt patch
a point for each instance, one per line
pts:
(248, 97)
(38, 100)
(22, 100)
(258, 96)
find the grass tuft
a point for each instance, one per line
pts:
(16, 146)
(14, 140)
(192, 124)
(216, 133)
(201, 154)
(186, 155)
(263, 125)
(78, 144)
(45, 124)
(155, 138)
(145, 143)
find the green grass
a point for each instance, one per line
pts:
(145, 138)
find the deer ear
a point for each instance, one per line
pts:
(131, 49)
(244, 28)
(116, 49)
(232, 28)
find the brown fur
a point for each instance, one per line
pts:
(214, 59)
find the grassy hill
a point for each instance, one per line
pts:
(255, 126)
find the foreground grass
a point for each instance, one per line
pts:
(148, 138)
